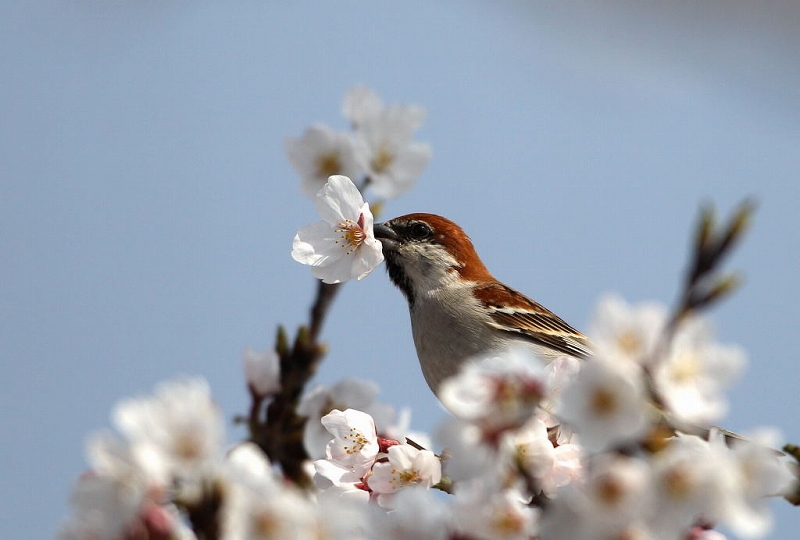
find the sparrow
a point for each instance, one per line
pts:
(458, 309)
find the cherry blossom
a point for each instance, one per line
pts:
(483, 513)
(693, 376)
(346, 394)
(627, 332)
(384, 149)
(416, 513)
(177, 432)
(343, 245)
(405, 466)
(498, 392)
(321, 153)
(606, 404)
(355, 441)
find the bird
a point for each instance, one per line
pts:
(458, 309)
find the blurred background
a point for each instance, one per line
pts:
(147, 208)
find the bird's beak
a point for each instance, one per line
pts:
(384, 232)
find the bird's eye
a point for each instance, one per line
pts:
(420, 231)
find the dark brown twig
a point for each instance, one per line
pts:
(705, 284)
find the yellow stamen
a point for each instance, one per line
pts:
(353, 234)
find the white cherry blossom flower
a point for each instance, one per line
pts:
(360, 105)
(695, 373)
(755, 474)
(247, 460)
(262, 371)
(267, 511)
(406, 466)
(336, 481)
(559, 373)
(531, 448)
(384, 148)
(617, 493)
(416, 514)
(689, 480)
(567, 467)
(177, 432)
(621, 331)
(611, 503)
(343, 245)
(346, 394)
(606, 404)
(470, 453)
(355, 442)
(496, 393)
(393, 162)
(321, 153)
(483, 513)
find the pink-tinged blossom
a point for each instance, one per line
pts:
(342, 246)
(531, 450)
(346, 394)
(321, 153)
(559, 373)
(567, 467)
(355, 441)
(405, 466)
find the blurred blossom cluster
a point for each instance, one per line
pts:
(615, 447)
(533, 450)
(378, 154)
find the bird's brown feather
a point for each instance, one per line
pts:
(531, 320)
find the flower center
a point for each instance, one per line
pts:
(187, 446)
(405, 477)
(603, 402)
(630, 342)
(684, 369)
(678, 483)
(382, 160)
(352, 233)
(328, 165)
(610, 491)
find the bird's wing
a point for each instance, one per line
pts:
(531, 320)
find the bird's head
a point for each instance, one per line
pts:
(424, 251)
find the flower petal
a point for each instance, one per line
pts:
(339, 200)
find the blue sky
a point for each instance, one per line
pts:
(147, 208)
